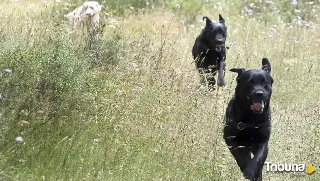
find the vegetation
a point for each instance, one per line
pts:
(130, 107)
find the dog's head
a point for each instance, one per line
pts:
(215, 33)
(91, 8)
(254, 87)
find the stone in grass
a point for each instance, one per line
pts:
(19, 139)
(8, 70)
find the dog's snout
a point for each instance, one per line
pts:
(258, 93)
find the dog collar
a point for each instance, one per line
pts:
(242, 126)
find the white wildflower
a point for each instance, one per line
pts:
(273, 30)
(294, 2)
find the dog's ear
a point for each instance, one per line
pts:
(208, 21)
(266, 65)
(221, 20)
(238, 70)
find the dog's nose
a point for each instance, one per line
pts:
(258, 93)
(219, 41)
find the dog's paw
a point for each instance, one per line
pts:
(249, 172)
(221, 82)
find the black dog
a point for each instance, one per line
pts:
(248, 117)
(209, 50)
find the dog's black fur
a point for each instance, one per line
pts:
(248, 117)
(209, 50)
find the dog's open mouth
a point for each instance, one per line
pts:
(257, 107)
(219, 47)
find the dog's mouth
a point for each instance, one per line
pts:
(257, 107)
(219, 47)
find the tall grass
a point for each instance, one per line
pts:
(138, 111)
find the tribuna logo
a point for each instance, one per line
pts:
(287, 167)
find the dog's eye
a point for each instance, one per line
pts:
(265, 82)
(250, 83)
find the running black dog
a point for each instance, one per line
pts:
(248, 117)
(209, 51)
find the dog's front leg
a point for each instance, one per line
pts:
(254, 167)
(221, 72)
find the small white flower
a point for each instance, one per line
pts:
(269, 2)
(177, 6)
(19, 139)
(297, 11)
(41, 111)
(270, 36)
(273, 30)
(294, 2)
(134, 65)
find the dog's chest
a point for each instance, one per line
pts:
(210, 57)
(252, 136)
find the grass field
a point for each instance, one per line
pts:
(132, 107)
